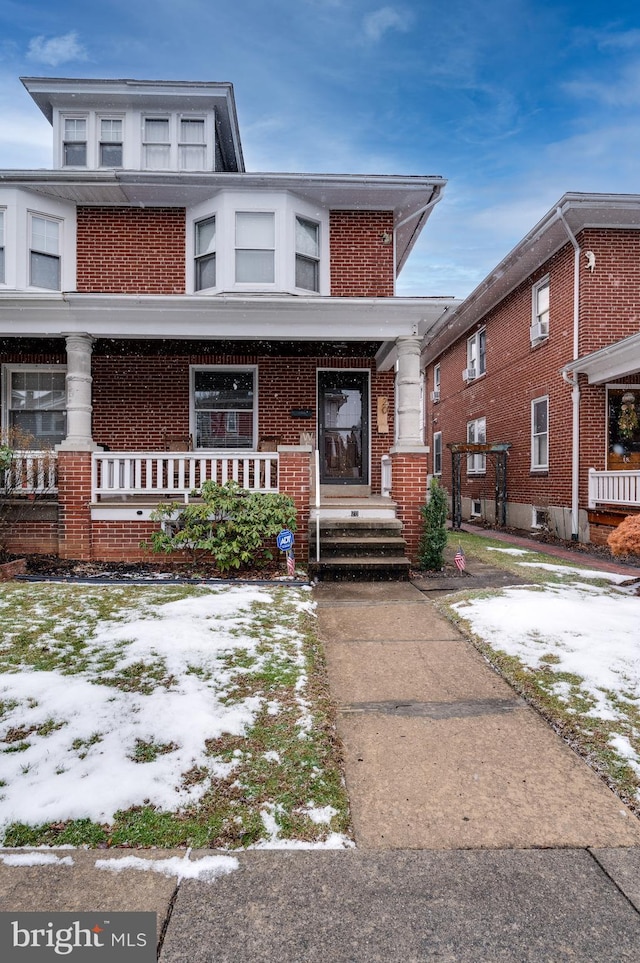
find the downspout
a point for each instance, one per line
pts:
(575, 389)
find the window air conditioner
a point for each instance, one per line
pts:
(538, 332)
(435, 396)
(468, 374)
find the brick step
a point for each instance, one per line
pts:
(361, 547)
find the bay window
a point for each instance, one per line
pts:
(44, 253)
(255, 247)
(307, 254)
(205, 254)
(2, 274)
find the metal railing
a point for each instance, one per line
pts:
(614, 488)
(172, 474)
(31, 472)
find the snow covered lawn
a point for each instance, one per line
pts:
(165, 715)
(571, 644)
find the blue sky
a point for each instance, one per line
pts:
(515, 102)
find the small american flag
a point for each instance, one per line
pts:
(460, 560)
(291, 564)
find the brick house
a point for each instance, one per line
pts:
(168, 317)
(544, 356)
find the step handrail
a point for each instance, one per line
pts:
(316, 469)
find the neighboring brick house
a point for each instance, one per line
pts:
(156, 297)
(544, 356)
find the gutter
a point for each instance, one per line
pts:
(573, 381)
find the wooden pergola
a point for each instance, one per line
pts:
(498, 453)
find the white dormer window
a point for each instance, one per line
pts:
(192, 145)
(205, 254)
(44, 253)
(156, 143)
(255, 247)
(110, 145)
(74, 145)
(307, 254)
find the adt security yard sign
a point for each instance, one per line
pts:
(284, 540)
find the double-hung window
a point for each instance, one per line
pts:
(2, 274)
(74, 145)
(307, 254)
(540, 311)
(540, 434)
(224, 400)
(476, 355)
(36, 400)
(110, 146)
(437, 453)
(156, 143)
(205, 254)
(191, 145)
(435, 394)
(477, 434)
(44, 253)
(255, 247)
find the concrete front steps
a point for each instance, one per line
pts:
(360, 539)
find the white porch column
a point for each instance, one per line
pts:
(79, 405)
(408, 414)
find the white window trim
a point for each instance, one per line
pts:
(98, 138)
(534, 402)
(30, 249)
(473, 370)
(437, 471)
(5, 389)
(539, 330)
(73, 115)
(477, 464)
(317, 260)
(287, 207)
(222, 367)
(257, 285)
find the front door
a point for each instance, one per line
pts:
(343, 427)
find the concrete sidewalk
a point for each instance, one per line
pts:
(481, 837)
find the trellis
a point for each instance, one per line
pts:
(498, 454)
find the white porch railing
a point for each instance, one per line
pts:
(614, 488)
(171, 474)
(30, 473)
(386, 482)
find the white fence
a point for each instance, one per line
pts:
(30, 473)
(614, 488)
(169, 474)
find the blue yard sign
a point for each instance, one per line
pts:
(284, 540)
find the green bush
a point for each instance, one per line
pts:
(433, 539)
(237, 528)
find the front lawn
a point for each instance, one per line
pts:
(165, 715)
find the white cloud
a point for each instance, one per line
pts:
(386, 18)
(56, 50)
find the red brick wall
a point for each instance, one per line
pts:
(74, 495)
(361, 263)
(517, 373)
(409, 491)
(131, 250)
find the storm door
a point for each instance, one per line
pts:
(343, 427)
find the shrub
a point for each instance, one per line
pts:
(625, 540)
(236, 527)
(433, 539)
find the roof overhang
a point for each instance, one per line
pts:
(618, 360)
(576, 212)
(185, 317)
(411, 199)
(53, 93)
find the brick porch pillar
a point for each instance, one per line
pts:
(409, 491)
(294, 479)
(74, 498)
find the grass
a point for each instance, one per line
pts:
(561, 697)
(270, 779)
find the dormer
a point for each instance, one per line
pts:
(138, 125)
